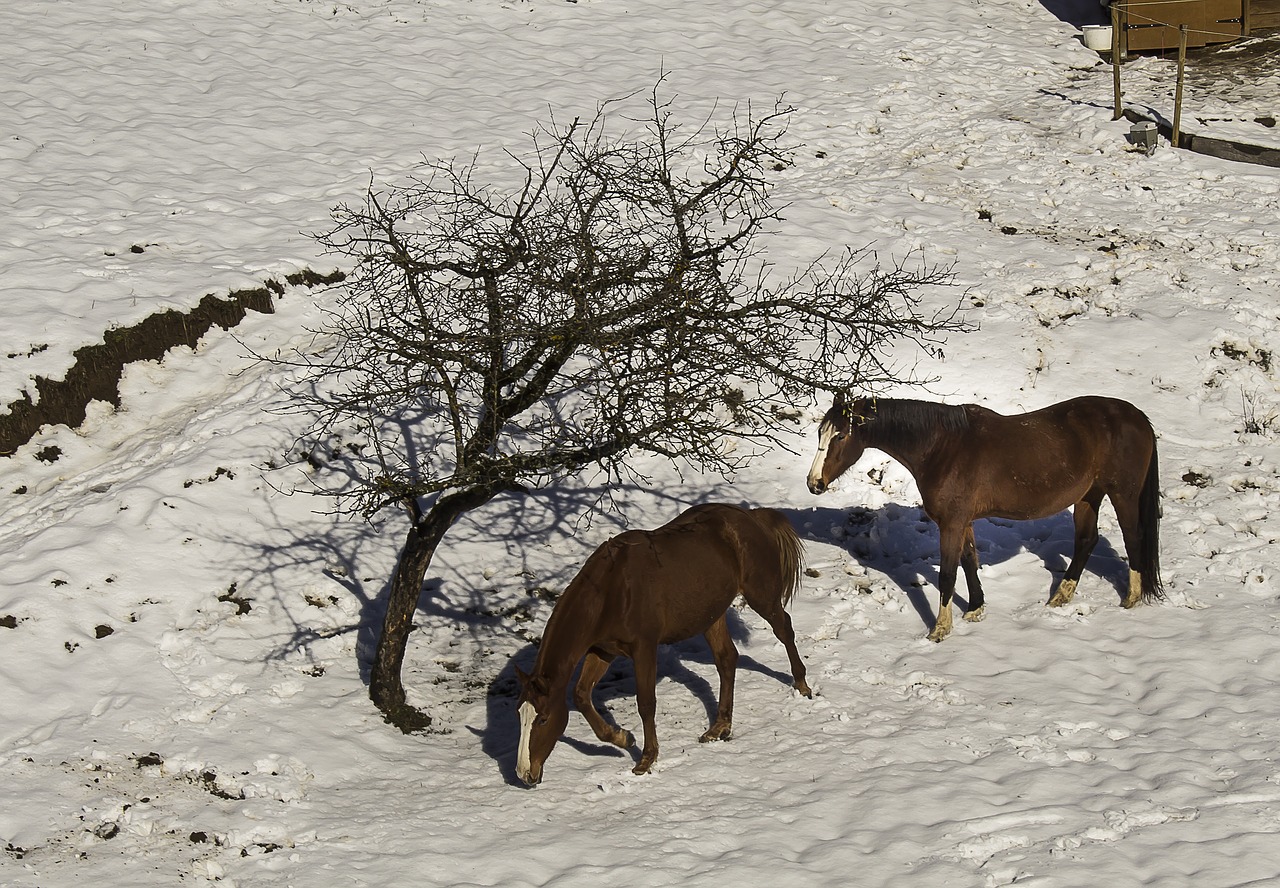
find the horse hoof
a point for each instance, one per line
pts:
(936, 636)
(716, 732)
(977, 615)
(1066, 590)
(803, 688)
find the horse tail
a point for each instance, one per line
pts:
(1149, 523)
(790, 551)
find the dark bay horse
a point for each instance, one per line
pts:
(649, 587)
(970, 462)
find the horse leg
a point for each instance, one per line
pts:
(969, 561)
(1085, 515)
(1131, 530)
(782, 628)
(645, 659)
(726, 656)
(780, 622)
(953, 536)
(593, 669)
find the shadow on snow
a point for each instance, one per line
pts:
(614, 696)
(896, 541)
(1077, 12)
(901, 542)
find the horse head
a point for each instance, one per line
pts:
(543, 717)
(840, 440)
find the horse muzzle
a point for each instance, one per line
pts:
(530, 777)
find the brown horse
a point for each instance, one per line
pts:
(649, 587)
(970, 462)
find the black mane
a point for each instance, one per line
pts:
(890, 421)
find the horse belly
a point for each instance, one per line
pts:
(690, 608)
(1041, 503)
(657, 621)
(1018, 494)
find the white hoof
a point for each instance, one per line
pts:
(1066, 591)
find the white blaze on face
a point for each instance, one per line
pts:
(826, 434)
(523, 764)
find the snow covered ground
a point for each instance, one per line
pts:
(182, 641)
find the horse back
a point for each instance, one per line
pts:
(675, 581)
(1111, 435)
(1034, 464)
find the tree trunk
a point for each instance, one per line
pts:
(385, 686)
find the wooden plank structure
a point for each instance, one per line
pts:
(1262, 15)
(1154, 25)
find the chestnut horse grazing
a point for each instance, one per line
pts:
(649, 587)
(970, 462)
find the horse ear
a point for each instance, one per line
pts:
(522, 676)
(861, 411)
(839, 401)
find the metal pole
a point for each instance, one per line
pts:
(1177, 97)
(1115, 57)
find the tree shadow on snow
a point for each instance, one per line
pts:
(901, 542)
(516, 533)
(297, 564)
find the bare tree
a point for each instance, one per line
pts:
(615, 301)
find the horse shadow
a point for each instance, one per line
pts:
(902, 543)
(1077, 12)
(615, 695)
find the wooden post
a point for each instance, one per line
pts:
(1115, 57)
(1244, 18)
(1177, 97)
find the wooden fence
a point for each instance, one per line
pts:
(1155, 25)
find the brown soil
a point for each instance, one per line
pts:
(1247, 70)
(95, 375)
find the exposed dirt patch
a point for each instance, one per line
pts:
(95, 375)
(1246, 64)
(1244, 75)
(243, 604)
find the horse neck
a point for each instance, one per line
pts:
(912, 431)
(567, 636)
